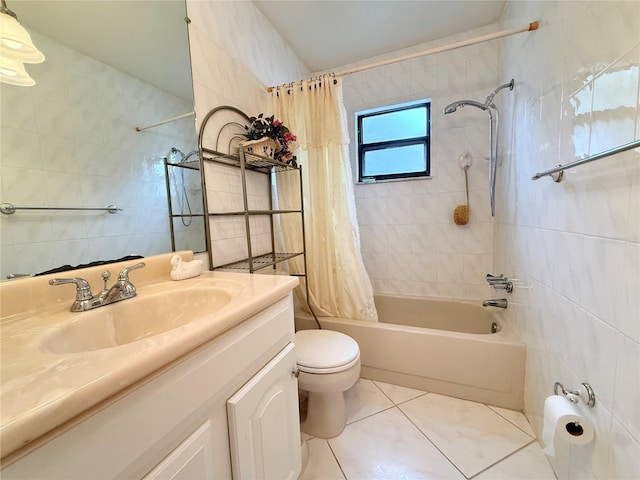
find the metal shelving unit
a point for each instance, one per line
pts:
(246, 161)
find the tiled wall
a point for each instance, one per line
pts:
(70, 141)
(574, 246)
(410, 243)
(235, 55)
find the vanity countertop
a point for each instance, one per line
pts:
(40, 391)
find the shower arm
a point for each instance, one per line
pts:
(489, 101)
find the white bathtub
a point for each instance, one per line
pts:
(442, 346)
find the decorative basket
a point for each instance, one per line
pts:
(264, 147)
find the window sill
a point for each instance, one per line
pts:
(408, 179)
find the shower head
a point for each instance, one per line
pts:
(176, 151)
(452, 107)
(183, 158)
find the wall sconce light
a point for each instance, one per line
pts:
(16, 48)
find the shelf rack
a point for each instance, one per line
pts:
(248, 161)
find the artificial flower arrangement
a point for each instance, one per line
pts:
(269, 127)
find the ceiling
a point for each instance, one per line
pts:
(326, 34)
(146, 39)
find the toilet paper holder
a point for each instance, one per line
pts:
(573, 395)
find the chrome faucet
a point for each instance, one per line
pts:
(497, 302)
(123, 288)
(85, 300)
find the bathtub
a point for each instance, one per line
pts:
(438, 345)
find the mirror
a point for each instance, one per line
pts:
(70, 140)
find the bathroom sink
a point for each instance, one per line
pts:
(150, 313)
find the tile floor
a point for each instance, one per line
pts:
(396, 433)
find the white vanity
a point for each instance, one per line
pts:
(213, 397)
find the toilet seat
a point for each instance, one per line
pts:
(325, 351)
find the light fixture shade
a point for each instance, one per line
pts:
(13, 73)
(16, 43)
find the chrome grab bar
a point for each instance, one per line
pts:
(561, 168)
(9, 208)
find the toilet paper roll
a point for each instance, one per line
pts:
(563, 421)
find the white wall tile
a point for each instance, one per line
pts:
(627, 388)
(575, 243)
(20, 148)
(19, 104)
(624, 452)
(425, 208)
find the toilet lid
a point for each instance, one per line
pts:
(323, 349)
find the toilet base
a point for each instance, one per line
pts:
(326, 415)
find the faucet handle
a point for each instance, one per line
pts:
(124, 274)
(83, 289)
(503, 285)
(495, 278)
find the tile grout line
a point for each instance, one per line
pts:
(522, 430)
(394, 404)
(371, 415)
(432, 443)
(397, 405)
(502, 459)
(336, 459)
(391, 399)
(405, 401)
(375, 413)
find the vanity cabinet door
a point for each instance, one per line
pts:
(192, 459)
(264, 425)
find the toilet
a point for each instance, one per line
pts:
(329, 364)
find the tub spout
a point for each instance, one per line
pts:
(497, 302)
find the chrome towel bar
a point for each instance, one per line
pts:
(8, 208)
(557, 172)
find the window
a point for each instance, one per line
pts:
(393, 142)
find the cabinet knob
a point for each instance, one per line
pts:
(296, 372)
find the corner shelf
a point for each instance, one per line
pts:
(248, 161)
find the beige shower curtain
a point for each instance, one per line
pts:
(338, 282)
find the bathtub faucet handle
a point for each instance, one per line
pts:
(495, 278)
(504, 285)
(500, 282)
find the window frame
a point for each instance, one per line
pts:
(363, 148)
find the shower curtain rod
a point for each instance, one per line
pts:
(452, 46)
(163, 122)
